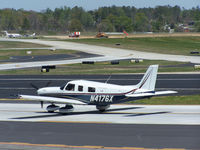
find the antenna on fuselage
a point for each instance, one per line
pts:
(108, 79)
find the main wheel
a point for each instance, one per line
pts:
(51, 108)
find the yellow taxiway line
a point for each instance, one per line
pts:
(92, 122)
(86, 146)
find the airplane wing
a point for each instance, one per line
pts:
(151, 94)
(51, 99)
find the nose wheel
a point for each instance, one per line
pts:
(102, 108)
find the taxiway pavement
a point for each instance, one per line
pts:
(107, 52)
(118, 114)
(122, 126)
(35, 58)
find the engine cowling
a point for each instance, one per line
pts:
(66, 109)
(102, 108)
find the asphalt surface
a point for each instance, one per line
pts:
(10, 85)
(30, 58)
(146, 136)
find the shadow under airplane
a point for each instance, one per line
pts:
(110, 111)
(77, 113)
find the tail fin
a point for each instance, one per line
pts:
(5, 32)
(149, 79)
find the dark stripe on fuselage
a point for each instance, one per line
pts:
(145, 79)
(96, 99)
(95, 93)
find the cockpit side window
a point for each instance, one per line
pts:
(70, 87)
(91, 89)
(80, 88)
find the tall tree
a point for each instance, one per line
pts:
(141, 22)
(75, 25)
(26, 24)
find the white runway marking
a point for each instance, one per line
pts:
(120, 114)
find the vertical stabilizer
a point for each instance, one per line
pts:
(5, 32)
(149, 79)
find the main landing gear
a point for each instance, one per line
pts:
(63, 110)
(102, 108)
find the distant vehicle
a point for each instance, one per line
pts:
(12, 35)
(75, 34)
(102, 95)
(101, 35)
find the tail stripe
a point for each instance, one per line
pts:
(146, 78)
(149, 79)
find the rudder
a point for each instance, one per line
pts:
(149, 79)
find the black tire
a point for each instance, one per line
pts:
(102, 110)
(50, 111)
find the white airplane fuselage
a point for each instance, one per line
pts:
(90, 92)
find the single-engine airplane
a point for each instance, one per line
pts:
(96, 93)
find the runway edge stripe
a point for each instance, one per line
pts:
(86, 146)
(95, 122)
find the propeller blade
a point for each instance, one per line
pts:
(34, 86)
(41, 104)
(48, 83)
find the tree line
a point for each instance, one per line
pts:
(104, 19)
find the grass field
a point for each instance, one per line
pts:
(107, 68)
(166, 45)
(171, 100)
(6, 54)
(12, 44)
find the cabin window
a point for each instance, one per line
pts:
(70, 87)
(91, 89)
(80, 88)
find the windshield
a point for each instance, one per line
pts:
(62, 87)
(70, 87)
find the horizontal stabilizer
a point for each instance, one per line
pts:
(165, 92)
(50, 99)
(140, 95)
(151, 94)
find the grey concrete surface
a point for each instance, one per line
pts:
(120, 114)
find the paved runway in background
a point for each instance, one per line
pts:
(185, 84)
